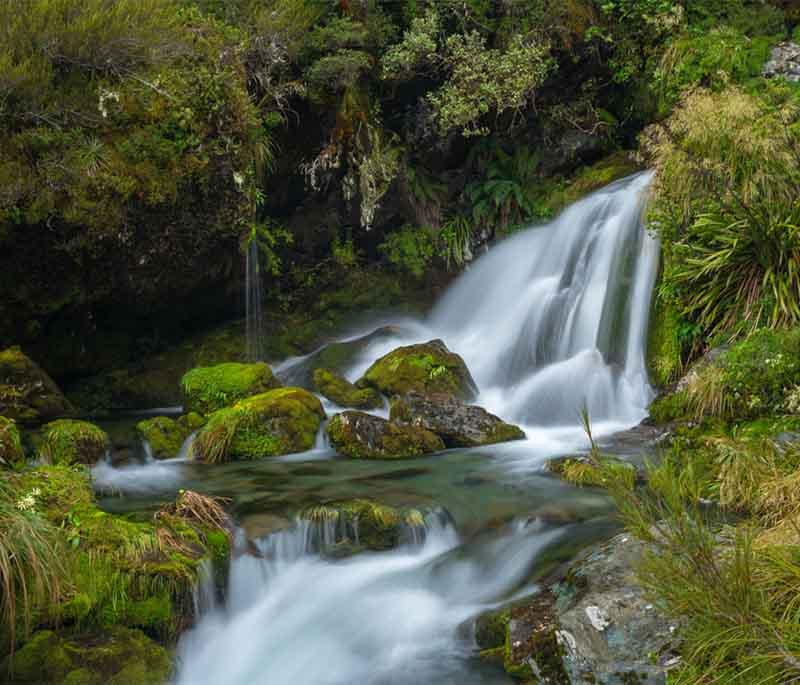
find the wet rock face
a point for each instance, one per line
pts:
(27, 394)
(784, 62)
(363, 436)
(457, 423)
(428, 368)
(609, 632)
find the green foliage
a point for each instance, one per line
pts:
(725, 207)
(485, 80)
(712, 59)
(271, 237)
(508, 195)
(409, 249)
(455, 240)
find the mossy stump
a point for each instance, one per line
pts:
(27, 394)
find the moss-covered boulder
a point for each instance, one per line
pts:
(599, 471)
(456, 423)
(27, 393)
(209, 388)
(119, 656)
(115, 570)
(281, 421)
(67, 441)
(166, 436)
(11, 452)
(427, 368)
(347, 527)
(338, 389)
(364, 436)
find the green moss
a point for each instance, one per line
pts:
(338, 389)
(426, 368)
(585, 472)
(11, 452)
(365, 524)
(119, 572)
(363, 436)
(281, 421)
(664, 350)
(490, 629)
(587, 180)
(671, 407)
(166, 436)
(207, 389)
(72, 442)
(120, 655)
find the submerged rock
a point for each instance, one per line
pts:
(281, 421)
(350, 526)
(72, 442)
(165, 435)
(27, 393)
(11, 452)
(116, 656)
(363, 436)
(341, 391)
(209, 388)
(427, 368)
(458, 424)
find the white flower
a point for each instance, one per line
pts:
(238, 179)
(26, 503)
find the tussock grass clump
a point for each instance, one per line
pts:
(204, 510)
(31, 560)
(72, 442)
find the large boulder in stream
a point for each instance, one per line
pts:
(456, 423)
(341, 391)
(27, 394)
(364, 436)
(595, 627)
(209, 388)
(281, 421)
(427, 368)
(166, 436)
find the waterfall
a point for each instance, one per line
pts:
(551, 320)
(254, 303)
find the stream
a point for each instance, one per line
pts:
(551, 320)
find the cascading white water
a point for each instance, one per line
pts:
(550, 321)
(554, 319)
(294, 617)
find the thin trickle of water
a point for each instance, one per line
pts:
(254, 304)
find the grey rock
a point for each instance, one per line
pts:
(784, 62)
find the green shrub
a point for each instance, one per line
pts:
(725, 207)
(409, 249)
